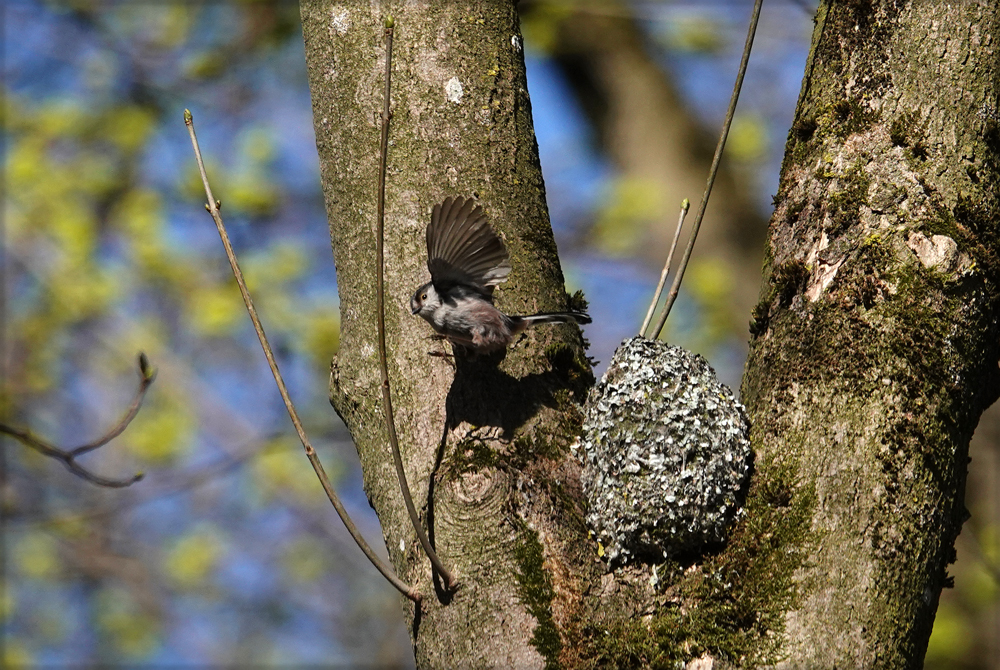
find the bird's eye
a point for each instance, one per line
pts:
(423, 297)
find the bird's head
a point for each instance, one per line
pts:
(425, 301)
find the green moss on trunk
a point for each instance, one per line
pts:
(875, 343)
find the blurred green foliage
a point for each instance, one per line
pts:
(193, 557)
(965, 628)
(694, 29)
(305, 561)
(748, 140)
(541, 22)
(108, 252)
(631, 205)
(278, 476)
(133, 632)
(710, 282)
(35, 556)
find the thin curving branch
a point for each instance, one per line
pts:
(679, 277)
(68, 456)
(404, 487)
(213, 208)
(685, 206)
(147, 375)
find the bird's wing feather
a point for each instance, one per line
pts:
(462, 247)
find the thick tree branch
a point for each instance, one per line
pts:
(493, 434)
(876, 336)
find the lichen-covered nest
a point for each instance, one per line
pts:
(665, 451)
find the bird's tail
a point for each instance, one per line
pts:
(554, 317)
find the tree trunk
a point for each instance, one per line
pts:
(874, 351)
(875, 341)
(485, 446)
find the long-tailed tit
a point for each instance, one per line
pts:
(467, 260)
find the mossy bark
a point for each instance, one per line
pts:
(485, 443)
(875, 342)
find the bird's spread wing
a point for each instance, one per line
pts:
(463, 249)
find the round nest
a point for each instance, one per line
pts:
(665, 454)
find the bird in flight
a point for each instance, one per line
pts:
(467, 260)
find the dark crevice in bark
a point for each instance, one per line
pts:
(443, 594)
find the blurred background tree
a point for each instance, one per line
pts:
(227, 553)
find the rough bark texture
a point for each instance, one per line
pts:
(876, 341)
(485, 445)
(875, 349)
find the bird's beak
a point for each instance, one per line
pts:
(413, 308)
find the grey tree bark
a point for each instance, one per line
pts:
(875, 342)
(486, 446)
(874, 350)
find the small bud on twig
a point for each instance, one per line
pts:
(147, 372)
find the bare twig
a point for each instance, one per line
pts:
(68, 456)
(679, 277)
(147, 375)
(685, 206)
(213, 208)
(404, 488)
